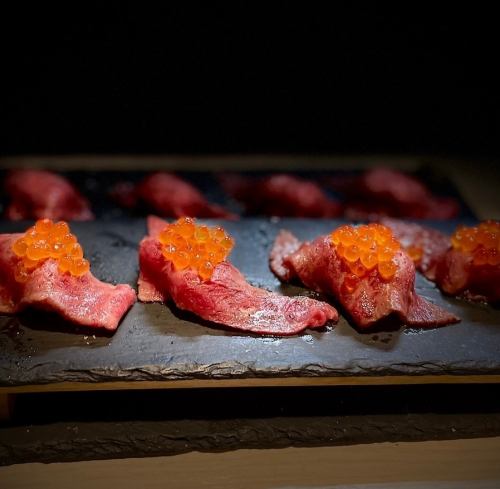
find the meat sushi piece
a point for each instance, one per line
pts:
(45, 269)
(364, 269)
(186, 263)
(386, 192)
(281, 195)
(467, 264)
(36, 194)
(169, 196)
(425, 246)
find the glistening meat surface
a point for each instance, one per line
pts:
(454, 271)
(168, 195)
(383, 191)
(281, 195)
(226, 298)
(433, 243)
(84, 300)
(37, 194)
(318, 267)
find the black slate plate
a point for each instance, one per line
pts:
(157, 342)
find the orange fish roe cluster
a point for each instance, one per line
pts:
(45, 240)
(188, 245)
(365, 248)
(482, 242)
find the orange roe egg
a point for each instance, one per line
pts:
(369, 259)
(227, 243)
(181, 260)
(344, 235)
(202, 234)
(335, 237)
(382, 234)
(39, 250)
(166, 236)
(220, 256)
(366, 236)
(210, 247)
(218, 233)
(74, 250)
(43, 226)
(387, 269)
(79, 267)
(205, 270)
(46, 240)
(30, 235)
(19, 247)
(168, 251)
(487, 238)
(366, 248)
(384, 254)
(65, 263)
(185, 227)
(351, 253)
(358, 269)
(196, 261)
(68, 239)
(179, 242)
(59, 230)
(482, 242)
(468, 243)
(56, 249)
(200, 248)
(392, 244)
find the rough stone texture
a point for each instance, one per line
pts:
(157, 342)
(64, 442)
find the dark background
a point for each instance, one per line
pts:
(242, 77)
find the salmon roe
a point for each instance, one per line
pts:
(48, 240)
(198, 247)
(482, 242)
(366, 248)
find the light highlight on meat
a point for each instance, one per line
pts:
(386, 192)
(36, 194)
(168, 195)
(281, 195)
(226, 298)
(369, 299)
(466, 264)
(83, 300)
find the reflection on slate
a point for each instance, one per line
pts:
(156, 342)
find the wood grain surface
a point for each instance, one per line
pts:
(260, 382)
(439, 465)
